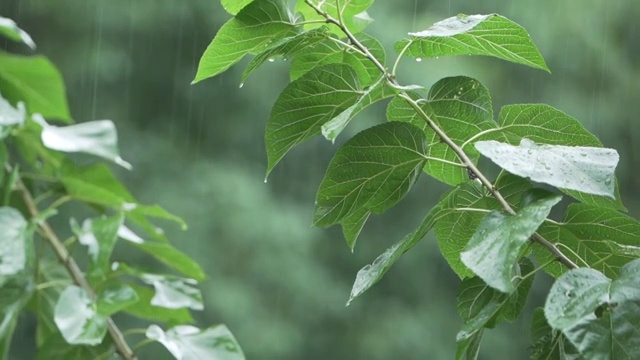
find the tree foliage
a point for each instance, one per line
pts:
(496, 234)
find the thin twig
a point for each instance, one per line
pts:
(464, 158)
(72, 267)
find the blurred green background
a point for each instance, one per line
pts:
(280, 285)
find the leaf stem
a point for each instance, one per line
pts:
(397, 62)
(72, 267)
(464, 158)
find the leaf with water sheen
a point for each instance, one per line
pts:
(494, 248)
(372, 171)
(588, 231)
(306, 104)
(353, 13)
(115, 298)
(234, 6)
(100, 236)
(585, 169)
(600, 316)
(14, 235)
(256, 26)
(187, 342)
(77, 318)
(36, 82)
(143, 308)
(487, 35)
(93, 137)
(461, 107)
(10, 115)
(173, 292)
(10, 30)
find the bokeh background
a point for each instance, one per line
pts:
(280, 285)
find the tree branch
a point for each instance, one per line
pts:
(122, 347)
(464, 158)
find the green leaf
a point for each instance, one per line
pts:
(461, 107)
(143, 309)
(488, 35)
(333, 51)
(588, 231)
(252, 30)
(352, 226)
(469, 349)
(461, 211)
(94, 137)
(9, 29)
(15, 293)
(56, 347)
(10, 115)
(372, 171)
(165, 253)
(36, 82)
(599, 316)
(585, 169)
(288, 47)
(547, 342)
(234, 6)
(353, 13)
(77, 319)
(116, 298)
(14, 238)
(100, 236)
(378, 91)
(187, 342)
(306, 104)
(492, 252)
(545, 124)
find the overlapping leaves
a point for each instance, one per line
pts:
(352, 12)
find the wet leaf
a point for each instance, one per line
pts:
(14, 235)
(100, 236)
(77, 318)
(115, 298)
(10, 30)
(143, 308)
(187, 342)
(488, 35)
(353, 13)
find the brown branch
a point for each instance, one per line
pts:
(464, 158)
(72, 267)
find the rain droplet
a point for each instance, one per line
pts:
(418, 59)
(271, 60)
(607, 181)
(241, 85)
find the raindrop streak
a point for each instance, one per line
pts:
(418, 59)
(271, 60)
(241, 85)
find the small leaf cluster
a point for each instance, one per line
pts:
(50, 161)
(496, 234)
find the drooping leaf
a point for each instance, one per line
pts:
(353, 12)
(77, 318)
(93, 137)
(187, 342)
(332, 51)
(372, 171)
(100, 236)
(469, 349)
(115, 298)
(234, 6)
(487, 35)
(36, 82)
(306, 104)
(585, 169)
(352, 225)
(14, 238)
(10, 30)
(588, 231)
(287, 48)
(143, 308)
(254, 28)
(461, 107)
(600, 316)
(493, 250)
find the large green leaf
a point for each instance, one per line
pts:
(600, 316)
(306, 104)
(585, 169)
(332, 51)
(187, 342)
(100, 236)
(254, 28)
(353, 12)
(94, 137)
(372, 171)
(77, 318)
(36, 82)
(488, 35)
(461, 107)
(234, 6)
(493, 250)
(9, 29)
(14, 237)
(588, 231)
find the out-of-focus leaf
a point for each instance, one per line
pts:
(306, 104)
(36, 82)
(187, 342)
(585, 169)
(100, 236)
(14, 235)
(77, 318)
(488, 35)
(495, 247)
(234, 6)
(174, 292)
(94, 137)
(145, 310)
(10, 115)
(253, 29)
(9, 29)
(372, 171)
(115, 298)
(56, 347)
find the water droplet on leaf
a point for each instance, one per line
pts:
(418, 59)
